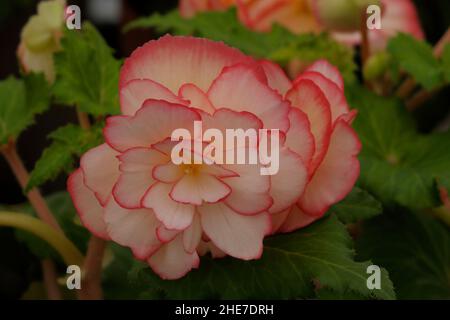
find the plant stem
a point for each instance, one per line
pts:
(365, 45)
(91, 286)
(83, 119)
(34, 196)
(43, 211)
(49, 275)
(70, 254)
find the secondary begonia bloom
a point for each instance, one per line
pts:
(341, 18)
(40, 38)
(129, 190)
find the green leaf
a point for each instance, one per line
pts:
(68, 143)
(20, 101)
(321, 252)
(61, 206)
(115, 282)
(398, 165)
(416, 57)
(446, 62)
(415, 248)
(87, 74)
(279, 45)
(358, 205)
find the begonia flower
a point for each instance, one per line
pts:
(129, 190)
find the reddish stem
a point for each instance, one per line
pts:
(91, 285)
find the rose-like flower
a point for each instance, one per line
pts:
(128, 190)
(40, 38)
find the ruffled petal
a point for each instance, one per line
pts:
(132, 228)
(101, 170)
(196, 188)
(171, 261)
(310, 99)
(172, 214)
(295, 220)
(192, 235)
(177, 60)
(238, 235)
(89, 209)
(154, 122)
(288, 183)
(136, 175)
(337, 173)
(134, 93)
(196, 97)
(276, 77)
(231, 90)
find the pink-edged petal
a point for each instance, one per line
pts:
(238, 235)
(208, 246)
(334, 95)
(136, 175)
(88, 207)
(337, 173)
(171, 261)
(223, 119)
(196, 188)
(196, 97)
(132, 228)
(296, 219)
(328, 71)
(231, 90)
(279, 218)
(168, 172)
(276, 77)
(250, 190)
(299, 137)
(154, 122)
(174, 61)
(192, 235)
(218, 171)
(165, 235)
(172, 214)
(101, 170)
(134, 93)
(288, 184)
(310, 99)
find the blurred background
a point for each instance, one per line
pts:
(17, 266)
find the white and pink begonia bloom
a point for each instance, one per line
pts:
(129, 191)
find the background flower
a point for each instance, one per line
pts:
(40, 38)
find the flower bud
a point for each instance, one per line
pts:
(342, 15)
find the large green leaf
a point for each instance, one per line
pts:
(288, 268)
(87, 73)
(20, 101)
(398, 165)
(415, 248)
(357, 205)
(416, 57)
(68, 142)
(279, 44)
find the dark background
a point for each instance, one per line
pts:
(17, 265)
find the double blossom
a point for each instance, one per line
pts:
(129, 190)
